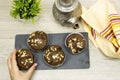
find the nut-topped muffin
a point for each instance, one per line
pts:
(54, 56)
(25, 59)
(37, 40)
(75, 42)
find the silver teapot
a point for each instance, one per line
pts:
(67, 12)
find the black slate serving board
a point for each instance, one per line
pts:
(78, 61)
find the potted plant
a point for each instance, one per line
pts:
(25, 9)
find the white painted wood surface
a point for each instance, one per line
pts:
(101, 67)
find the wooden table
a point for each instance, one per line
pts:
(101, 67)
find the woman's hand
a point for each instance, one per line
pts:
(14, 71)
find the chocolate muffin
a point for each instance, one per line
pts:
(25, 59)
(75, 42)
(37, 40)
(54, 56)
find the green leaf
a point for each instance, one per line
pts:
(25, 9)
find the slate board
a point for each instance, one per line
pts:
(79, 61)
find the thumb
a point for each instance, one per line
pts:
(31, 70)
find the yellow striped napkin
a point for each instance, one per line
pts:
(102, 23)
(114, 20)
(112, 31)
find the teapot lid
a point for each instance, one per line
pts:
(66, 5)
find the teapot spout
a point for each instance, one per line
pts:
(74, 22)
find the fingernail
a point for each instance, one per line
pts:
(35, 64)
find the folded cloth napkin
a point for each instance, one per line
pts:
(102, 23)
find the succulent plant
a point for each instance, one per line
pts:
(25, 9)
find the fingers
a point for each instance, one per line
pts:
(31, 70)
(9, 61)
(14, 63)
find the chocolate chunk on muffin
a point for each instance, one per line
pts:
(37, 40)
(75, 42)
(25, 59)
(54, 56)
